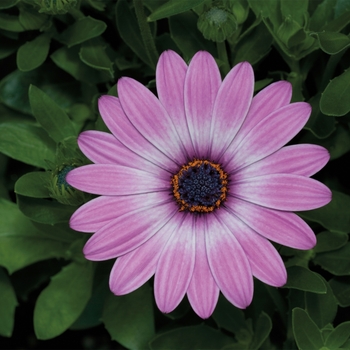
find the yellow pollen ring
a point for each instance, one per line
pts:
(199, 208)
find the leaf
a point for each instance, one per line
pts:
(341, 290)
(63, 300)
(328, 241)
(33, 184)
(8, 47)
(10, 23)
(8, 303)
(82, 30)
(191, 337)
(334, 99)
(30, 18)
(338, 23)
(306, 333)
(303, 279)
(338, 336)
(333, 43)
(296, 9)
(51, 117)
(129, 318)
(262, 330)
(8, 3)
(173, 7)
(323, 14)
(33, 53)
(27, 143)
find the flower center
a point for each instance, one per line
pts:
(61, 177)
(200, 186)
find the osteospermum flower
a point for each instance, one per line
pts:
(193, 184)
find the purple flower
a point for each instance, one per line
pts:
(193, 184)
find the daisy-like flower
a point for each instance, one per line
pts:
(193, 184)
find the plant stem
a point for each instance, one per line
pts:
(221, 47)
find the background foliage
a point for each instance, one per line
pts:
(58, 57)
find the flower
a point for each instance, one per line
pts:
(193, 184)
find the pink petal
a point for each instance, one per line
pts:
(266, 263)
(150, 118)
(201, 87)
(231, 106)
(170, 77)
(98, 212)
(128, 232)
(283, 192)
(269, 135)
(117, 122)
(300, 159)
(133, 269)
(175, 265)
(203, 292)
(103, 148)
(282, 227)
(112, 179)
(228, 263)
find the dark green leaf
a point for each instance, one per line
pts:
(338, 336)
(173, 7)
(27, 143)
(82, 30)
(8, 3)
(333, 43)
(62, 302)
(10, 23)
(306, 333)
(341, 290)
(328, 241)
(8, 47)
(323, 14)
(33, 185)
(51, 117)
(262, 330)
(129, 318)
(30, 18)
(8, 303)
(338, 23)
(297, 9)
(303, 279)
(269, 9)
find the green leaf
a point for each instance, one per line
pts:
(30, 18)
(328, 241)
(33, 184)
(333, 43)
(306, 333)
(323, 14)
(336, 261)
(82, 30)
(33, 53)
(8, 3)
(62, 302)
(129, 318)
(297, 9)
(269, 9)
(10, 23)
(51, 117)
(262, 330)
(8, 303)
(341, 290)
(191, 337)
(338, 23)
(22, 244)
(338, 336)
(333, 217)
(8, 47)
(334, 100)
(303, 279)
(27, 143)
(173, 7)
(322, 308)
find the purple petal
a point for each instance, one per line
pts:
(279, 226)
(175, 266)
(203, 292)
(150, 118)
(103, 148)
(231, 106)
(112, 179)
(269, 135)
(128, 232)
(300, 159)
(265, 262)
(201, 87)
(117, 122)
(98, 212)
(228, 263)
(170, 77)
(283, 192)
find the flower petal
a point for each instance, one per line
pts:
(98, 212)
(103, 148)
(112, 179)
(269, 135)
(265, 262)
(283, 192)
(118, 123)
(150, 118)
(170, 78)
(231, 106)
(228, 263)
(299, 159)
(128, 232)
(279, 226)
(201, 87)
(175, 266)
(203, 292)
